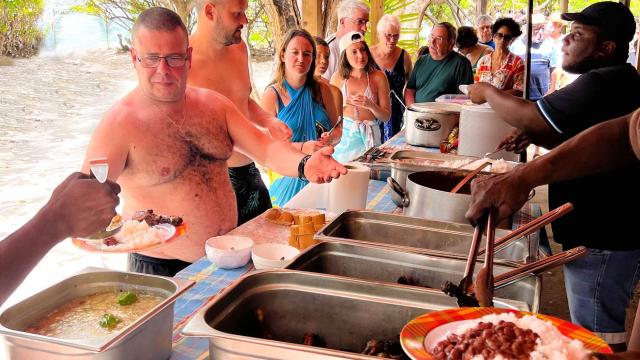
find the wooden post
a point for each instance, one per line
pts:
(377, 10)
(312, 17)
(564, 6)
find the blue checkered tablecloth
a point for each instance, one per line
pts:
(210, 281)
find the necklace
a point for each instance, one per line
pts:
(171, 120)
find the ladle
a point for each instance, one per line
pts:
(469, 176)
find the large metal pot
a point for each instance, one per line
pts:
(427, 124)
(147, 338)
(428, 195)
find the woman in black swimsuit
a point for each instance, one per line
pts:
(396, 64)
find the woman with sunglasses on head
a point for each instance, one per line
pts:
(502, 68)
(365, 93)
(303, 103)
(396, 64)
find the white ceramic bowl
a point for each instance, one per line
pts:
(229, 251)
(266, 256)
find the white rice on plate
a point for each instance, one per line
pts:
(138, 234)
(552, 344)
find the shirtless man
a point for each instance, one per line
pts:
(168, 144)
(220, 63)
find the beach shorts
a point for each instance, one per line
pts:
(155, 266)
(357, 138)
(252, 195)
(599, 287)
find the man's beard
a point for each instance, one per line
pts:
(582, 66)
(232, 39)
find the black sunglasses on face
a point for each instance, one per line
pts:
(501, 36)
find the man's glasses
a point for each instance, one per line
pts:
(392, 36)
(502, 36)
(434, 39)
(360, 22)
(153, 61)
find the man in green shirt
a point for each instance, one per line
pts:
(441, 71)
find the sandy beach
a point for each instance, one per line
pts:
(49, 106)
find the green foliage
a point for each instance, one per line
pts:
(260, 39)
(19, 32)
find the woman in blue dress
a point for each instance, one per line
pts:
(304, 104)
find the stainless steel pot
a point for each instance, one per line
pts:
(428, 195)
(147, 338)
(427, 124)
(405, 162)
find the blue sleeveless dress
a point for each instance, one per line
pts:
(301, 115)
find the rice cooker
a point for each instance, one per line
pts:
(428, 124)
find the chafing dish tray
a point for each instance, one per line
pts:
(387, 265)
(265, 315)
(149, 337)
(414, 235)
(405, 162)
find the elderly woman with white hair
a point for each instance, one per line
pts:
(396, 64)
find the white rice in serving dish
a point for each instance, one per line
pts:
(552, 344)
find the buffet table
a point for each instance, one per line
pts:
(210, 281)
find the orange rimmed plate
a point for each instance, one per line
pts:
(169, 232)
(414, 333)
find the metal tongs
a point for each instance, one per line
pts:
(531, 226)
(484, 280)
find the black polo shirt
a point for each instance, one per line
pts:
(598, 220)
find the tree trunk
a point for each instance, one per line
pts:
(182, 7)
(481, 9)
(284, 15)
(330, 23)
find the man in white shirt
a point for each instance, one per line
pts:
(353, 15)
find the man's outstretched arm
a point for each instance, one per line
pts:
(607, 146)
(277, 129)
(277, 155)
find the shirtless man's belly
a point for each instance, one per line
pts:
(175, 171)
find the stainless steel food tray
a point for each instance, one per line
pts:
(345, 312)
(415, 235)
(387, 265)
(151, 333)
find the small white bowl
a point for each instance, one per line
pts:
(267, 256)
(229, 251)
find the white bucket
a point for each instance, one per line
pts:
(481, 130)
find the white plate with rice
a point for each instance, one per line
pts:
(556, 338)
(134, 236)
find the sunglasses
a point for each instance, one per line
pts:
(502, 36)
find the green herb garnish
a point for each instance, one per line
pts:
(127, 298)
(109, 321)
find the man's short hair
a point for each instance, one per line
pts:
(347, 7)
(482, 19)
(159, 19)
(451, 30)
